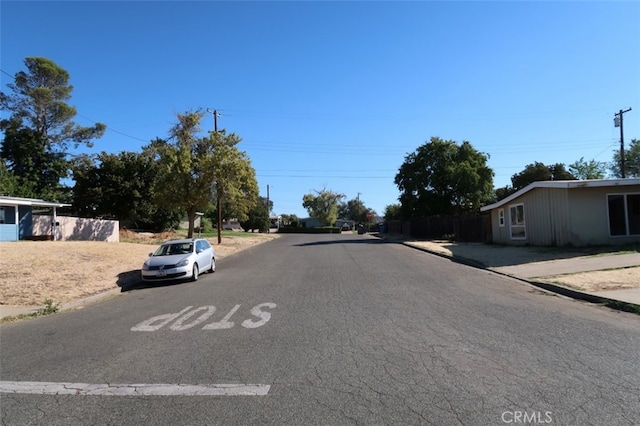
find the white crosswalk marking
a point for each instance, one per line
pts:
(63, 388)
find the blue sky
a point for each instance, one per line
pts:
(335, 94)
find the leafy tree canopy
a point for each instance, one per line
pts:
(443, 178)
(258, 217)
(290, 219)
(392, 212)
(120, 186)
(236, 184)
(631, 161)
(540, 172)
(10, 184)
(323, 206)
(194, 170)
(185, 168)
(354, 210)
(40, 127)
(588, 169)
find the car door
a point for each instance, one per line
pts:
(204, 257)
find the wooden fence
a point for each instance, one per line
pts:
(460, 228)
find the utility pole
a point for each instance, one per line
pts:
(218, 203)
(215, 119)
(617, 121)
(268, 211)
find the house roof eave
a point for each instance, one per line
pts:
(563, 184)
(33, 202)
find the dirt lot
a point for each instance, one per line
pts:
(64, 271)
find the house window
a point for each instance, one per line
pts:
(501, 218)
(624, 214)
(516, 221)
(1, 215)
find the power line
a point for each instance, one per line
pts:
(4, 72)
(114, 130)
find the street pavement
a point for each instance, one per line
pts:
(326, 330)
(525, 263)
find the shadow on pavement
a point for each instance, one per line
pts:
(344, 241)
(495, 256)
(131, 280)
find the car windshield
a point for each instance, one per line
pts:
(174, 248)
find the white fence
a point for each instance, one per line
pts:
(77, 228)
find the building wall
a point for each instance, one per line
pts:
(590, 216)
(12, 231)
(25, 222)
(561, 216)
(78, 229)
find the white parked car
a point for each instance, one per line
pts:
(179, 259)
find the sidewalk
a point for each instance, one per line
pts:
(535, 264)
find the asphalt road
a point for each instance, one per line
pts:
(330, 330)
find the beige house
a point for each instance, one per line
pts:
(569, 213)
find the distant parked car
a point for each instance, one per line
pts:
(179, 259)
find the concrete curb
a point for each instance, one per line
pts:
(554, 288)
(89, 300)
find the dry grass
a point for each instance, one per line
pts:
(64, 271)
(614, 279)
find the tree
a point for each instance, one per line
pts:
(194, 170)
(290, 220)
(534, 172)
(235, 178)
(354, 210)
(40, 128)
(587, 170)
(185, 168)
(631, 161)
(502, 193)
(10, 184)
(120, 186)
(540, 172)
(258, 217)
(36, 171)
(323, 206)
(443, 178)
(392, 212)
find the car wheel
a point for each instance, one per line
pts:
(194, 275)
(213, 265)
